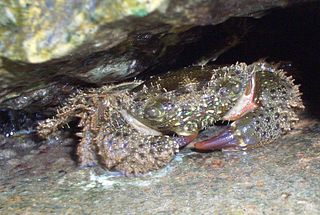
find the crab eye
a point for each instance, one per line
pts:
(154, 112)
(229, 88)
(223, 91)
(158, 109)
(236, 88)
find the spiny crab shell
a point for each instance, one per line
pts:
(138, 127)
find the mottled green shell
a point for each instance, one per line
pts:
(190, 99)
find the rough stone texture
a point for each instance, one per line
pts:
(281, 178)
(39, 31)
(46, 44)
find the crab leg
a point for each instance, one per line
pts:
(261, 126)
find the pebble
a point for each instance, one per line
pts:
(7, 154)
(34, 152)
(43, 147)
(61, 162)
(28, 157)
(25, 145)
(14, 162)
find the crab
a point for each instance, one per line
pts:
(138, 127)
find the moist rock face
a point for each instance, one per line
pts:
(48, 46)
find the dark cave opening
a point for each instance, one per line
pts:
(290, 36)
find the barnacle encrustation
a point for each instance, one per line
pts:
(140, 128)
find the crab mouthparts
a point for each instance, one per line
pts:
(245, 103)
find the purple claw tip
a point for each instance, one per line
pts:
(223, 140)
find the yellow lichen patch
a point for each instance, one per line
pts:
(48, 30)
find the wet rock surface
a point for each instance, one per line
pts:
(46, 45)
(41, 31)
(279, 178)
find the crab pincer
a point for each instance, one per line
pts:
(240, 135)
(260, 116)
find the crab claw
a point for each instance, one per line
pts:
(246, 103)
(185, 140)
(225, 139)
(240, 134)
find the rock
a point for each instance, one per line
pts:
(47, 45)
(7, 154)
(40, 31)
(14, 162)
(27, 158)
